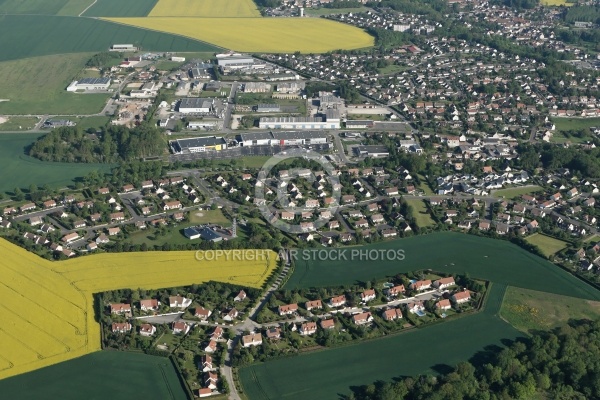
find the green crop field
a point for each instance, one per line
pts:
(548, 245)
(37, 86)
(120, 8)
(23, 36)
(495, 260)
(102, 375)
(20, 170)
(530, 310)
(421, 214)
(515, 192)
(44, 7)
(332, 372)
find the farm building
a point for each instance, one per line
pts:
(196, 105)
(89, 84)
(198, 145)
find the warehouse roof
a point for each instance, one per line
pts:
(93, 81)
(200, 142)
(196, 102)
(254, 136)
(298, 135)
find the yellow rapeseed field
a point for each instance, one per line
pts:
(269, 35)
(46, 308)
(205, 8)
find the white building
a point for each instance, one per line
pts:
(196, 105)
(89, 84)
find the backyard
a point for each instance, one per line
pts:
(548, 245)
(422, 216)
(512, 193)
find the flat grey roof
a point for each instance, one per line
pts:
(291, 119)
(255, 136)
(196, 102)
(299, 135)
(200, 142)
(93, 81)
(373, 149)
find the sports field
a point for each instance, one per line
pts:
(332, 372)
(120, 8)
(37, 86)
(20, 170)
(20, 37)
(277, 35)
(421, 214)
(103, 375)
(532, 310)
(548, 245)
(205, 8)
(495, 260)
(47, 310)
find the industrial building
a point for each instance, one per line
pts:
(257, 87)
(298, 123)
(89, 84)
(196, 105)
(268, 108)
(359, 124)
(198, 145)
(372, 151)
(123, 47)
(281, 138)
(202, 124)
(235, 60)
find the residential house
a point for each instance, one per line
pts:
(171, 205)
(367, 295)
(287, 309)
(147, 330)
(253, 339)
(114, 231)
(443, 283)
(308, 328)
(119, 308)
(395, 291)
(121, 327)
(206, 363)
(273, 333)
(231, 315)
(443, 305)
(49, 204)
(217, 333)
(415, 306)
(180, 327)
(392, 314)
(240, 296)
(210, 380)
(313, 305)
(327, 324)
(362, 318)
(461, 297)
(70, 237)
(421, 285)
(211, 347)
(337, 301)
(179, 302)
(202, 313)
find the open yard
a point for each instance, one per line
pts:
(47, 307)
(120, 8)
(209, 217)
(548, 245)
(37, 86)
(529, 310)
(496, 260)
(20, 170)
(84, 123)
(512, 193)
(565, 124)
(277, 35)
(108, 374)
(205, 8)
(433, 349)
(23, 36)
(421, 214)
(14, 124)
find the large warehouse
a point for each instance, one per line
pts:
(198, 145)
(297, 123)
(281, 138)
(89, 84)
(196, 105)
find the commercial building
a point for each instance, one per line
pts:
(202, 124)
(297, 123)
(196, 105)
(372, 151)
(233, 61)
(198, 145)
(359, 124)
(282, 138)
(123, 47)
(267, 108)
(257, 87)
(89, 84)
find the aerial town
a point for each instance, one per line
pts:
(280, 199)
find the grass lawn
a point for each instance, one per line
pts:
(565, 124)
(166, 65)
(425, 187)
(593, 239)
(416, 351)
(209, 217)
(88, 122)
(20, 170)
(495, 260)
(14, 124)
(37, 86)
(106, 374)
(421, 214)
(515, 192)
(529, 310)
(391, 69)
(548, 245)
(23, 36)
(561, 137)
